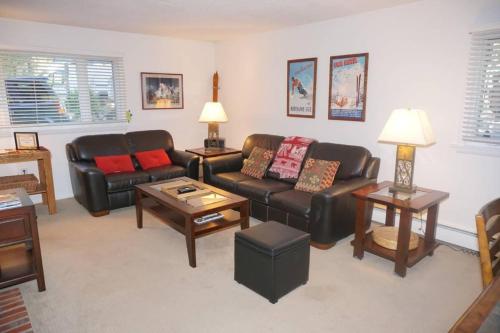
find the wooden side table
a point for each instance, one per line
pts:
(20, 254)
(408, 204)
(42, 157)
(211, 152)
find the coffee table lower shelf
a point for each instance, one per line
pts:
(414, 256)
(177, 221)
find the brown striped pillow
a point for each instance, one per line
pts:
(317, 175)
(257, 163)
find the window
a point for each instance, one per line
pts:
(481, 122)
(53, 89)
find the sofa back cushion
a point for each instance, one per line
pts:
(85, 148)
(265, 141)
(149, 140)
(353, 159)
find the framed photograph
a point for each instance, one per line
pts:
(26, 140)
(301, 87)
(347, 92)
(162, 91)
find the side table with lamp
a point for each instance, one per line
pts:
(213, 113)
(407, 128)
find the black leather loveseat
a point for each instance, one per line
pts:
(328, 215)
(98, 192)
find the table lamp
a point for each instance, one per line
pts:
(213, 114)
(407, 128)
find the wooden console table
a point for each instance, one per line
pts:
(423, 199)
(42, 156)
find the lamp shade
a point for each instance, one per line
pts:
(408, 126)
(213, 112)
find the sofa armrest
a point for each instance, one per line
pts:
(187, 160)
(333, 211)
(371, 170)
(89, 186)
(219, 164)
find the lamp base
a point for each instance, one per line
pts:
(403, 175)
(395, 189)
(213, 143)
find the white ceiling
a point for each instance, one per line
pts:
(194, 19)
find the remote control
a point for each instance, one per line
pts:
(186, 189)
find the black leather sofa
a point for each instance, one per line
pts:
(328, 215)
(100, 193)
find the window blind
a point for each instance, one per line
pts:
(481, 121)
(55, 89)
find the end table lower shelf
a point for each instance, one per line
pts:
(423, 249)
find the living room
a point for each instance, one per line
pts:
(103, 274)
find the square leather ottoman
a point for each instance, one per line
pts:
(272, 259)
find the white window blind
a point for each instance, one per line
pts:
(481, 122)
(55, 89)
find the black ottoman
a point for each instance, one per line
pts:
(272, 259)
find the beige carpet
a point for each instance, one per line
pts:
(105, 275)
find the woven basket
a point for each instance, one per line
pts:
(388, 237)
(29, 182)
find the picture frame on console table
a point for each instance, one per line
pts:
(26, 140)
(161, 91)
(347, 90)
(301, 87)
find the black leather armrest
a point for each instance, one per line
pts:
(371, 170)
(89, 186)
(219, 164)
(187, 160)
(333, 210)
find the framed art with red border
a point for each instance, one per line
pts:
(347, 90)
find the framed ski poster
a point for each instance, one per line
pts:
(347, 92)
(301, 87)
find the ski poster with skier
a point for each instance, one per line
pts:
(347, 93)
(301, 87)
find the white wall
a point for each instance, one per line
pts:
(141, 53)
(418, 58)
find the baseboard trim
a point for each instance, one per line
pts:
(446, 232)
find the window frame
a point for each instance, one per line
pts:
(89, 123)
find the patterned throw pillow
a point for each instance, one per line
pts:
(257, 163)
(317, 175)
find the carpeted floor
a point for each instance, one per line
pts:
(105, 275)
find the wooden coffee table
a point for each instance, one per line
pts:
(180, 215)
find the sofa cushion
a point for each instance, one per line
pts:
(261, 189)
(87, 147)
(317, 175)
(228, 180)
(152, 159)
(266, 141)
(293, 201)
(165, 172)
(257, 163)
(114, 164)
(149, 140)
(125, 181)
(353, 159)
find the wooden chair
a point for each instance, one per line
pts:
(488, 236)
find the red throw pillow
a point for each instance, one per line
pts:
(114, 164)
(153, 158)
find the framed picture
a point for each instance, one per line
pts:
(26, 140)
(301, 87)
(347, 92)
(162, 91)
